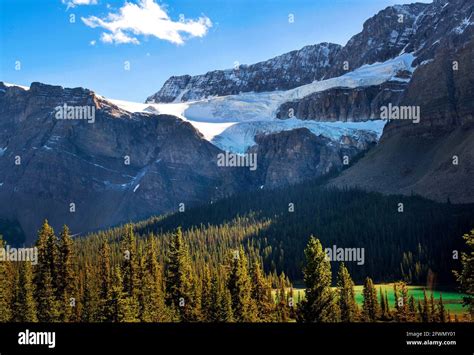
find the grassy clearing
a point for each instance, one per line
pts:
(451, 299)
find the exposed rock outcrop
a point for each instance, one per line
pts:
(280, 73)
(344, 104)
(434, 158)
(46, 164)
(290, 157)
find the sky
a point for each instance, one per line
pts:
(127, 49)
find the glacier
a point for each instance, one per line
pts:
(232, 122)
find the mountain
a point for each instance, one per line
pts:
(284, 72)
(433, 158)
(72, 161)
(415, 55)
(304, 114)
(120, 165)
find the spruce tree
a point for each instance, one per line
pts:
(6, 289)
(432, 309)
(25, 308)
(465, 276)
(347, 303)
(104, 273)
(319, 303)
(441, 310)
(153, 307)
(67, 282)
(401, 302)
(370, 308)
(412, 309)
(282, 307)
(425, 309)
(239, 285)
(46, 281)
(261, 293)
(91, 304)
(215, 303)
(48, 307)
(130, 268)
(180, 289)
(121, 306)
(206, 296)
(419, 309)
(387, 305)
(226, 311)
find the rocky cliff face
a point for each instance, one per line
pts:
(420, 29)
(433, 158)
(344, 104)
(46, 164)
(280, 73)
(384, 36)
(411, 158)
(124, 166)
(290, 157)
(117, 166)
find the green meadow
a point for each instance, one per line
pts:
(451, 299)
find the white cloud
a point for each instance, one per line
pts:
(74, 3)
(147, 18)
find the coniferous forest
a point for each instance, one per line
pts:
(251, 259)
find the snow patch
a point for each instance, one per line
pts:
(241, 136)
(465, 23)
(232, 122)
(263, 106)
(19, 86)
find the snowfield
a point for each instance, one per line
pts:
(263, 106)
(232, 122)
(239, 137)
(20, 86)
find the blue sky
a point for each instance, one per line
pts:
(213, 34)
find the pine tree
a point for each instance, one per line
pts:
(387, 305)
(261, 293)
(120, 305)
(48, 307)
(6, 289)
(465, 276)
(432, 309)
(91, 304)
(215, 303)
(441, 310)
(282, 307)
(226, 311)
(419, 308)
(25, 303)
(370, 308)
(319, 304)
(153, 299)
(180, 291)
(412, 309)
(221, 302)
(130, 263)
(401, 301)
(425, 309)
(104, 280)
(239, 285)
(347, 303)
(206, 295)
(67, 282)
(384, 306)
